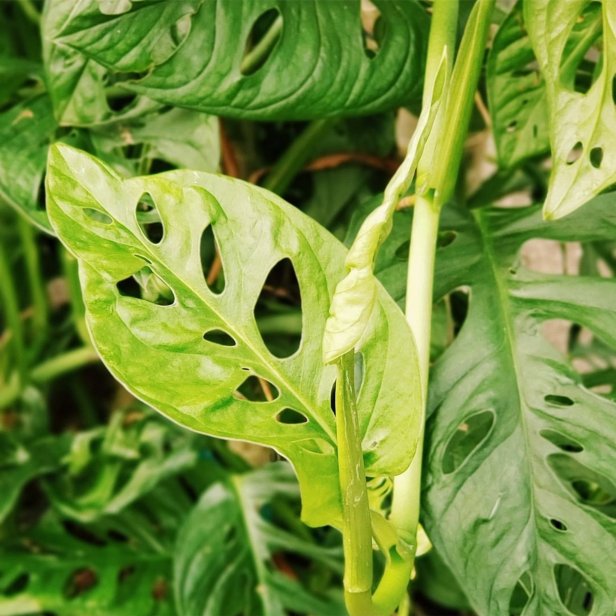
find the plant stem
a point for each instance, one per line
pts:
(30, 11)
(356, 525)
(292, 161)
(256, 56)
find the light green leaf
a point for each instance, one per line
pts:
(521, 481)
(25, 132)
(328, 70)
(159, 351)
(582, 123)
(225, 553)
(355, 295)
(516, 94)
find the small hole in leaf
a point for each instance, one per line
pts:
(574, 153)
(146, 285)
(332, 397)
(521, 594)
(278, 310)
(230, 536)
(459, 302)
(596, 157)
(373, 28)
(148, 218)
(466, 439)
(290, 416)
(83, 534)
(17, 585)
(511, 127)
(402, 252)
(563, 442)
(126, 573)
(556, 400)
(574, 590)
(117, 536)
(256, 389)
(317, 445)
(211, 261)
(445, 238)
(614, 89)
(97, 215)
(120, 101)
(218, 336)
(558, 525)
(264, 34)
(79, 582)
(535, 131)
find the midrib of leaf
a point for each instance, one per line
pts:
(504, 308)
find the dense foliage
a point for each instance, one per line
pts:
(150, 270)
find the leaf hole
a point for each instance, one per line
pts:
(561, 441)
(79, 582)
(262, 39)
(97, 215)
(16, 585)
(317, 445)
(596, 157)
(146, 285)
(521, 594)
(83, 534)
(218, 336)
(160, 590)
(257, 389)
(557, 400)
(512, 126)
(574, 153)
(373, 28)
(574, 590)
(291, 416)
(211, 261)
(278, 310)
(466, 439)
(614, 89)
(402, 252)
(558, 525)
(126, 573)
(148, 219)
(445, 238)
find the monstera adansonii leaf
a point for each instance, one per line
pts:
(194, 357)
(582, 116)
(520, 491)
(225, 556)
(316, 58)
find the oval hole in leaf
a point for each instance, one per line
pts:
(373, 28)
(458, 303)
(574, 153)
(211, 261)
(260, 42)
(17, 585)
(521, 594)
(574, 590)
(280, 298)
(218, 336)
(511, 127)
(148, 219)
(257, 389)
(466, 439)
(558, 525)
(556, 400)
(146, 285)
(445, 238)
(79, 582)
(97, 215)
(596, 157)
(561, 441)
(317, 445)
(291, 416)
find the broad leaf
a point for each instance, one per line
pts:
(25, 133)
(328, 70)
(516, 94)
(520, 485)
(231, 559)
(582, 119)
(189, 354)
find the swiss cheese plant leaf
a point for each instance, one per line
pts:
(516, 94)
(521, 483)
(25, 133)
(192, 351)
(73, 570)
(582, 115)
(230, 556)
(328, 70)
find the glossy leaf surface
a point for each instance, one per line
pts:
(159, 351)
(194, 54)
(231, 559)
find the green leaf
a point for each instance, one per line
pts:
(159, 351)
(25, 133)
(326, 71)
(74, 570)
(521, 481)
(226, 553)
(516, 94)
(582, 123)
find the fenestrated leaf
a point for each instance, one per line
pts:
(516, 94)
(226, 553)
(582, 124)
(325, 71)
(520, 484)
(159, 351)
(55, 568)
(25, 133)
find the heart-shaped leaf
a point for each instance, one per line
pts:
(193, 352)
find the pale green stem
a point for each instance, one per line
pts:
(254, 57)
(30, 11)
(298, 154)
